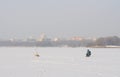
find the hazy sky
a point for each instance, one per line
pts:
(59, 18)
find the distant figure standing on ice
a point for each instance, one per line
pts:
(37, 54)
(88, 54)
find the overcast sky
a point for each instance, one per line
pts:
(59, 18)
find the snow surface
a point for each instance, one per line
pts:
(59, 62)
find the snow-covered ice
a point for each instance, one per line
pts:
(59, 62)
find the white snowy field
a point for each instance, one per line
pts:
(59, 62)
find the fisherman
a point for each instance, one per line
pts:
(37, 55)
(88, 54)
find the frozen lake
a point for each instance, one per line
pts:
(59, 62)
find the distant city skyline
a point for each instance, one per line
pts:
(63, 18)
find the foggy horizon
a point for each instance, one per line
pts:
(64, 36)
(63, 19)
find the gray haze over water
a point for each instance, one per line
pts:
(59, 18)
